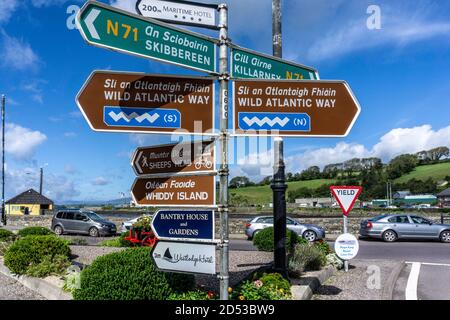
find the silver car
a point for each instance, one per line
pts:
(403, 226)
(310, 232)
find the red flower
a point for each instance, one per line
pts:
(211, 294)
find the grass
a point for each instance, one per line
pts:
(434, 171)
(263, 194)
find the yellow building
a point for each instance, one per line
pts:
(29, 202)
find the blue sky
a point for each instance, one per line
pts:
(399, 74)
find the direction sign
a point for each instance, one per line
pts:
(108, 27)
(137, 102)
(176, 158)
(184, 225)
(293, 108)
(177, 191)
(246, 63)
(184, 257)
(346, 196)
(180, 12)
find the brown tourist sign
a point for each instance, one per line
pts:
(314, 108)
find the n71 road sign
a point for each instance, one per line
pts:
(107, 27)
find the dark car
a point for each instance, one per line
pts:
(84, 222)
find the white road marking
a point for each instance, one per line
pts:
(431, 264)
(413, 280)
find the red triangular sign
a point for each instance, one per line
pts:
(346, 196)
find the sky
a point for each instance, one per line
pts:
(397, 66)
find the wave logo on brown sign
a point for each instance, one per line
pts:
(179, 158)
(136, 102)
(186, 191)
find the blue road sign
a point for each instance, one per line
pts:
(141, 117)
(184, 225)
(300, 122)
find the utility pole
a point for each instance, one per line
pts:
(278, 184)
(3, 160)
(41, 180)
(223, 139)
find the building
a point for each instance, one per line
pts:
(444, 198)
(314, 202)
(29, 202)
(417, 199)
(401, 194)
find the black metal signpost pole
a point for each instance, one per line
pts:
(278, 184)
(3, 161)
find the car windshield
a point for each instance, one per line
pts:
(93, 216)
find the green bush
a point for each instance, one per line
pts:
(335, 261)
(118, 242)
(6, 235)
(31, 250)
(129, 275)
(34, 231)
(263, 240)
(306, 257)
(49, 266)
(302, 240)
(193, 295)
(266, 286)
(323, 246)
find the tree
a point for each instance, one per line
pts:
(437, 153)
(239, 181)
(401, 165)
(311, 173)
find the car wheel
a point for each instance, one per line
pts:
(389, 236)
(310, 235)
(93, 232)
(58, 230)
(445, 236)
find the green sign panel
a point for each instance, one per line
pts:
(111, 28)
(249, 64)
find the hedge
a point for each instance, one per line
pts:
(263, 239)
(34, 231)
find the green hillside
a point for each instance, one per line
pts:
(263, 194)
(434, 171)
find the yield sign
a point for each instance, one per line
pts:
(346, 196)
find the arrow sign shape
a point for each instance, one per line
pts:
(90, 18)
(107, 27)
(346, 196)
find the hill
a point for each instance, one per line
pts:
(263, 194)
(434, 171)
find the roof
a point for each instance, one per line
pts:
(30, 196)
(402, 194)
(444, 193)
(420, 196)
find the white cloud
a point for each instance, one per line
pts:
(22, 142)
(47, 3)
(100, 181)
(35, 88)
(7, 7)
(70, 169)
(18, 54)
(55, 187)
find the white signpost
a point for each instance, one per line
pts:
(346, 197)
(180, 12)
(185, 257)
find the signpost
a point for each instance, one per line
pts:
(293, 108)
(186, 191)
(178, 158)
(184, 225)
(137, 102)
(185, 257)
(246, 63)
(346, 197)
(108, 27)
(180, 12)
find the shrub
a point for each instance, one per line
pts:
(193, 295)
(302, 240)
(34, 231)
(6, 235)
(263, 240)
(306, 258)
(323, 246)
(78, 242)
(72, 282)
(31, 250)
(129, 275)
(334, 260)
(268, 286)
(49, 266)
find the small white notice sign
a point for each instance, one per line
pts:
(346, 246)
(197, 14)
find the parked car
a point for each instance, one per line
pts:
(310, 232)
(126, 226)
(84, 222)
(403, 226)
